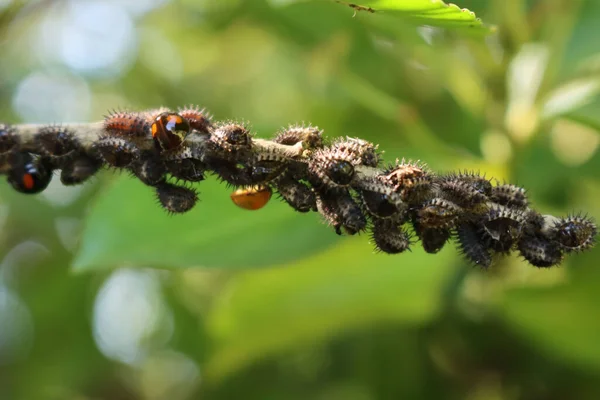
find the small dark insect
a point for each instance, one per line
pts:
(252, 198)
(169, 130)
(29, 175)
(357, 7)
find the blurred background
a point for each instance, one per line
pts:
(104, 296)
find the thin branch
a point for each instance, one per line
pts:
(342, 180)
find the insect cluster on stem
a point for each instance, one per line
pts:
(343, 180)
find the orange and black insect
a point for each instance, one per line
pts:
(28, 175)
(169, 130)
(126, 123)
(252, 197)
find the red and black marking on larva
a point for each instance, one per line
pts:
(176, 199)
(57, 143)
(126, 123)
(252, 198)
(310, 136)
(197, 117)
(77, 170)
(169, 130)
(411, 180)
(29, 174)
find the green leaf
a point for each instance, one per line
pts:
(348, 287)
(127, 227)
(561, 321)
(425, 12)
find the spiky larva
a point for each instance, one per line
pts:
(432, 239)
(389, 237)
(411, 180)
(297, 194)
(149, 169)
(471, 246)
(126, 123)
(341, 211)
(176, 199)
(540, 251)
(502, 227)
(439, 213)
(574, 233)
(356, 151)
(197, 117)
(117, 152)
(467, 189)
(329, 170)
(378, 204)
(57, 143)
(310, 136)
(509, 195)
(231, 142)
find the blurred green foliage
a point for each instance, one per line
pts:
(272, 304)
